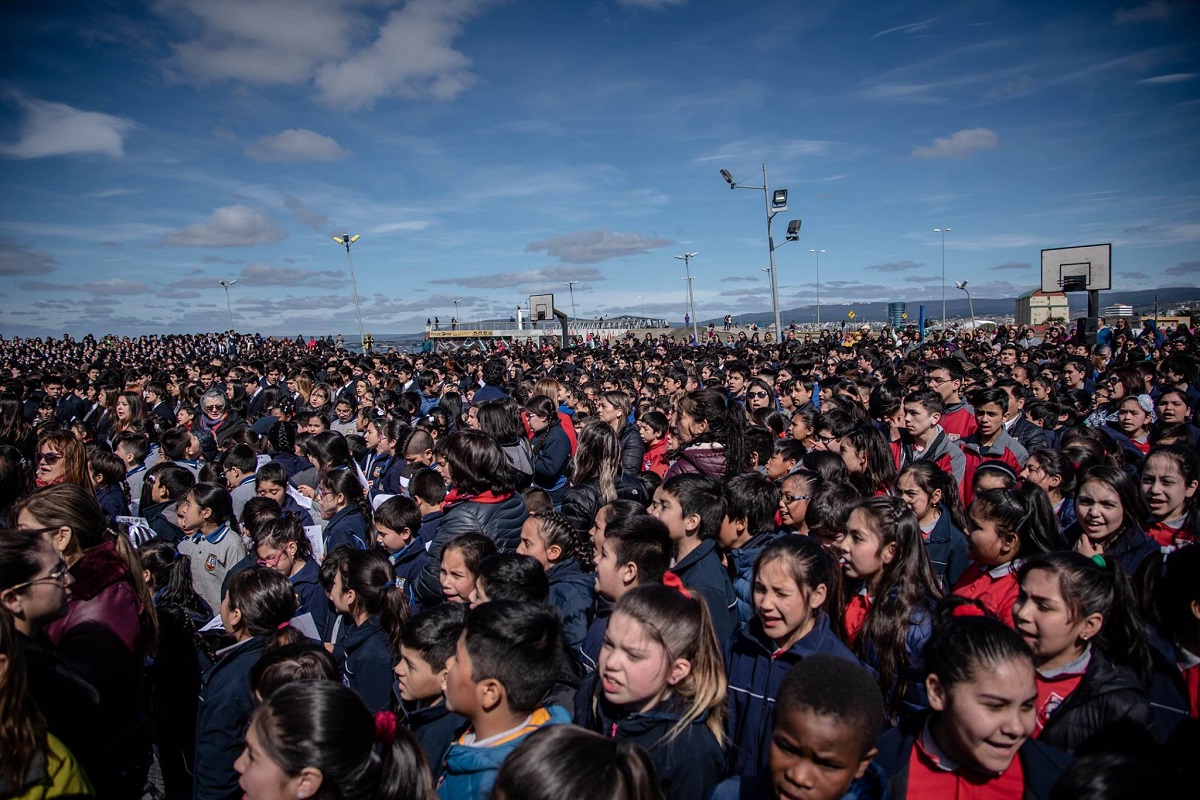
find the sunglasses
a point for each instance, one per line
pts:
(756, 394)
(214, 408)
(49, 459)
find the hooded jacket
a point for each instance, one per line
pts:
(572, 593)
(468, 771)
(312, 598)
(435, 728)
(947, 455)
(164, 521)
(347, 526)
(705, 459)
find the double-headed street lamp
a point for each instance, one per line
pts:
(818, 252)
(228, 306)
(686, 258)
(775, 203)
(347, 240)
(943, 232)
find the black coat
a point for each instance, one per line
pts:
(221, 720)
(1108, 698)
(501, 521)
(633, 449)
(366, 659)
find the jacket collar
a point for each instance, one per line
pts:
(212, 538)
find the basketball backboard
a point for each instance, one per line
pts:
(541, 307)
(1077, 269)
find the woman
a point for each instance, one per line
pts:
(218, 418)
(61, 459)
(759, 394)
(711, 430)
(14, 430)
(613, 409)
(319, 399)
(129, 409)
(550, 445)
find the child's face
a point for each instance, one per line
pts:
(777, 467)
(393, 540)
(610, 576)
(272, 491)
(416, 678)
(458, 685)
(1164, 487)
(990, 419)
(985, 543)
(191, 514)
(457, 581)
(597, 531)
(863, 554)
(647, 433)
(1046, 622)
(917, 499)
(532, 543)
(731, 532)
(984, 721)
(282, 561)
(344, 412)
(342, 597)
(668, 511)
(634, 670)
(1099, 509)
(793, 502)
(261, 777)
(917, 420)
(799, 429)
(814, 756)
(785, 609)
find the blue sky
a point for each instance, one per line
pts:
(489, 150)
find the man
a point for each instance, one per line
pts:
(494, 375)
(1075, 375)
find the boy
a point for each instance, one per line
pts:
(132, 448)
(786, 457)
(397, 524)
(345, 423)
(923, 439)
(991, 440)
(690, 506)
(749, 503)
(505, 661)
(510, 576)
(428, 490)
(946, 378)
(182, 447)
(239, 466)
(426, 645)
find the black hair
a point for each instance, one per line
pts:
(833, 687)
(171, 576)
(282, 531)
(398, 513)
(698, 494)
(369, 574)
(879, 469)
(330, 450)
(242, 457)
(961, 645)
(475, 547)
(434, 633)
(476, 463)
(555, 529)
(927, 399)
(752, 497)
(174, 442)
(176, 480)
(516, 644)
(267, 602)
(656, 421)
(810, 566)
(828, 464)
(601, 768)
(216, 499)
(1111, 776)
(789, 449)
(1133, 505)
(273, 473)
(642, 540)
(726, 425)
(428, 485)
(982, 397)
(760, 444)
(331, 565)
(1024, 512)
(512, 576)
(306, 660)
(346, 483)
(136, 444)
(19, 556)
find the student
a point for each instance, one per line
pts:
(605, 517)
(238, 466)
(282, 545)
(1110, 511)
(689, 504)
(397, 524)
(601, 768)
(1176, 599)
(426, 646)
(991, 474)
(314, 738)
(510, 576)
(796, 493)
(828, 715)
(390, 465)
(652, 427)
(132, 448)
(946, 378)
(460, 564)
(785, 456)
(374, 612)
(107, 472)
(562, 550)
(748, 503)
(550, 446)
(164, 485)
(1170, 477)
(933, 498)
(271, 481)
(1054, 472)
(427, 490)
(504, 663)
(214, 542)
(306, 660)
(1135, 415)
(796, 586)
(924, 439)
(866, 452)
(1004, 525)
(256, 613)
(889, 617)
(345, 509)
(977, 740)
(1079, 616)
(991, 439)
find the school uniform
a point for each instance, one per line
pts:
(212, 555)
(241, 494)
(434, 727)
(388, 480)
(958, 420)
(946, 547)
(222, 718)
(995, 587)
(741, 568)
(365, 656)
(871, 786)
(347, 526)
(1005, 449)
(755, 668)
(1165, 534)
(134, 479)
(292, 506)
(571, 592)
(311, 596)
(469, 766)
(1083, 699)
(701, 571)
(407, 564)
(1132, 547)
(588, 652)
(112, 501)
(164, 522)
(429, 526)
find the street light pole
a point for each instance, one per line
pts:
(347, 240)
(943, 232)
(963, 285)
(571, 285)
(818, 252)
(772, 208)
(228, 306)
(454, 322)
(686, 258)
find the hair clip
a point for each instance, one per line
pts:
(283, 625)
(390, 584)
(1100, 560)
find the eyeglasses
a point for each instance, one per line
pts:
(932, 381)
(788, 499)
(49, 459)
(58, 575)
(214, 408)
(827, 439)
(270, 561)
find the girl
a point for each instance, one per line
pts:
(501, 419)
(927, 491)
(214, 541)
(256, 613)
(1054, 472)
(605, 517)
(602, 768)
(613, 409)
(869, 458)
(129, 409)
(551, 447)
(652, 427)
(890, 616)
(660, 684)
(164, 486)
(271, 481)
(315, 739)
(594, 475)
(1110, 510)
(796, 492)
(977, 742)
(564, 552)
(711, 432)
(1170, 477)
(282, 545)
(1079, 617)
(1135, 415)
(797, 606)
(804, 420)
(375, 610)
(346, 510)
(460, 564)
(384, 437)
(108, 479)
(1004, 525)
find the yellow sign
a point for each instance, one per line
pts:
(460, 334)
(851, 315)
(904, 315)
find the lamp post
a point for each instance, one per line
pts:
(642, 297)
(228, 306)
(943, 232)
(454, 322)
(774, 204)
(686, 258)
(571, 285)
(963, 285)
(347, 240)
(818, 252)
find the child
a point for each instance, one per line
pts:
(271, 481)
(828, 715)
(504, 663)
(932, 497)
(389, 465)
(1053, 471)
(605, 517)
(660, 684)
(132, 448)
(828, 510)
(427, 490)
(214, 542)
(107, 472)
(595, 761)
(795, 588)
(1170, 477)
(1135, 415)
(256, 613)
(426, 646)
(977, 742)
(991, 440)
(239, 466)
(991, 474)
(689, 504)
(510, 576)
(924, 439)
(1002, 526)
(460, 563)
(397, 522)
(550, 538)
(345, 508)
(1110, 511)
(375, 611)
(890, 616)
(796, 492)
(749, 503)
(163, 487)
(281, 544)
(1177, 603)
(866, 451)
(536, 500)
(946, 379)
(652, 427)
(784, 458)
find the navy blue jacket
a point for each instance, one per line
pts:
(347, 526)
(292, 464)
(312, 598)
(689, 767)
(365, 656)
(429, 526)
(1133, 547)
(406, 566)
(588, 652)
(755, 670)
(292, 506)
(112, 501)
(571, 592)
(434, 728)
(388, 481)
(701, 571)
(500, 521)
(741, 569)
(221, 719)
(553, 451)
(946, 547)
(166, 530)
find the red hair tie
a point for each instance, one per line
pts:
(967, 610)
(385, 727)
(672, 580)
(283, 625)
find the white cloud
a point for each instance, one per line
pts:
(393, 227)
(912, 27)
(897, 266)
(959, 144)
(551, 276)
(310, 218)
(231, 226)
(592, 247)
(57, 129)
(296, 144)
(1175, 77)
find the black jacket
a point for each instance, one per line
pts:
(582, 501)
(633, 449)
(366, 659)
(501, 521)
(1029, 435)
(222, 716)
(1107, 697)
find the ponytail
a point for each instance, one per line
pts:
(345, 482)
(147, 616)
(369, 574)
(268, 603)
(556, 529)
(1025, 513)
(172, 574)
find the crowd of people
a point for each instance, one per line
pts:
(849, 564)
